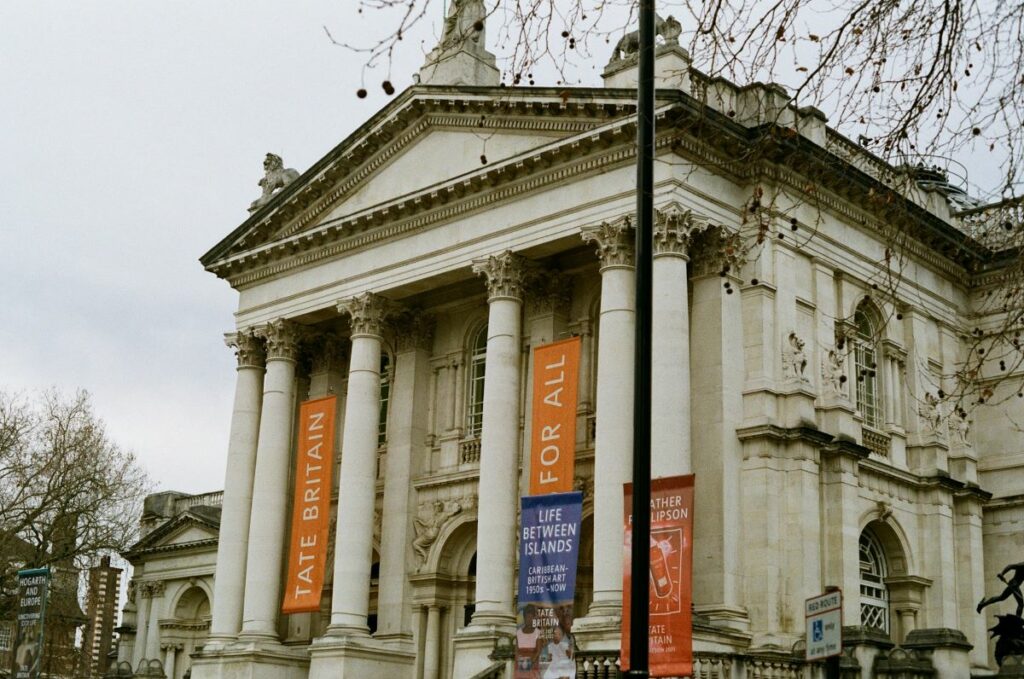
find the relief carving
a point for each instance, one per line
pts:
(428, 522)
(794, 359)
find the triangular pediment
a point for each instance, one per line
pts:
(436, 155)
(426, 137)
(182, 531)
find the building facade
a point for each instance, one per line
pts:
(411, 271)
(104, 592)
(167, 616)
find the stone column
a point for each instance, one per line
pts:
(670, 343)
(229, 583)
(432, 644)
(170, 657)
(142, 623)
(499, 450)
(269, 516)
(613, 465)
(357, 486)
(156, 594)
(407, 433)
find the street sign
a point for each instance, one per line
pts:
(824, 615)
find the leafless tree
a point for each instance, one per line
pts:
(917, 84)
(68, 494)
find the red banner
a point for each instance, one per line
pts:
(311, 507)
(669, 580)
(556, 371)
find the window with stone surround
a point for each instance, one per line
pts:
(475, 392)
(869, 397)
(874, 593)
(385, 394)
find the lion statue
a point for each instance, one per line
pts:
(275, 177)
(629, 45)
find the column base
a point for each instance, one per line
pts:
(601, 628)
(357, 657)
(251, 661)
(474, 647)
(724, 616)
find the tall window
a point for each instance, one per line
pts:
(475, 396)
(385, 394)
(874, 595)
(866, 362)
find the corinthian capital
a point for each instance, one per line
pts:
(282, 338)
(248, 348)
(367, 313)
(506, 274)
(674, 228)
(614, 242)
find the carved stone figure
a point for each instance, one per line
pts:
(464, 26)
(958, 430)
(833, 372)
(794, 359)
(928, 413)
(275, 177)
(629, 44)
(428, 524)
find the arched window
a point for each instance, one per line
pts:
(869, 397)
(475, 393)
(874, 594)
(385, 394)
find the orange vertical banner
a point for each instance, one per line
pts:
(556, 371)
(310, 521)
(670, 633)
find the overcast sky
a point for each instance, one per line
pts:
(132, 136)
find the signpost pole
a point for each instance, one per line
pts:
(640, 555)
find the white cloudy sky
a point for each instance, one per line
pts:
(132, 136)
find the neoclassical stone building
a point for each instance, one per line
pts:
(167, 614)
(412, 269)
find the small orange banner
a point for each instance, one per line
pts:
(670, 637)
(556, 370)
(310, 520)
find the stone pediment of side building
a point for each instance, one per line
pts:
(427, 139)
(185, 531)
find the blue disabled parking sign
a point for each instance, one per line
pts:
(824, 625)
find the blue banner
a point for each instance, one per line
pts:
(549, 546)
(549, 542)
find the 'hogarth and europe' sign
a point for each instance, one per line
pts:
(33, 587)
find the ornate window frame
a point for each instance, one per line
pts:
(874, 593)
(867, 385)
(476, 368)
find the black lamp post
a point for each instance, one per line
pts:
(640, 556)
